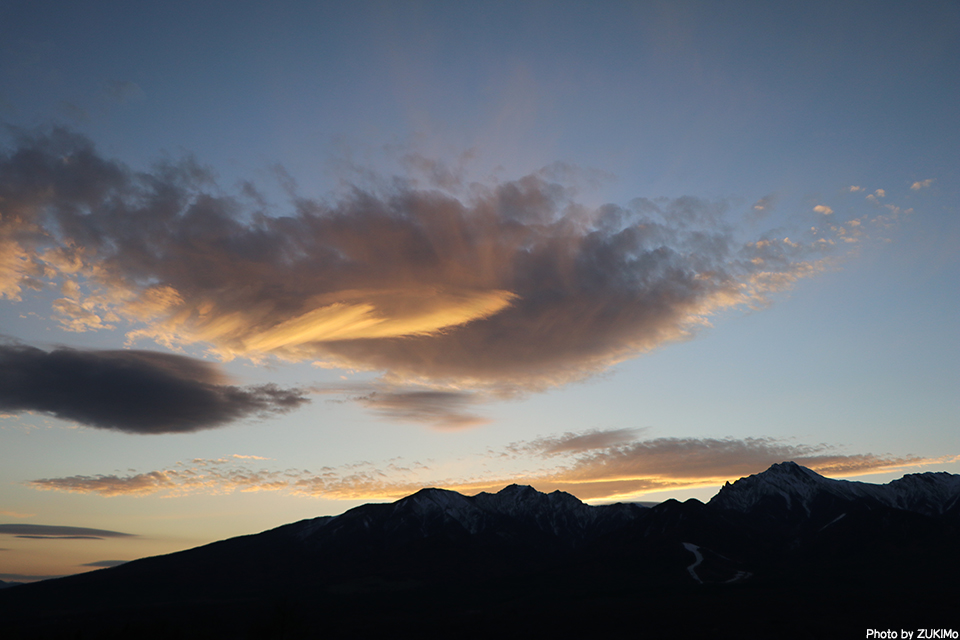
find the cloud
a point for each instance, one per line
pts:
(922, 184)
(762, 207)
(123, 91)
(700, 459)
(512, 287)
(105, 563)
(433, 405)
(42, 531)
(109, 485)
(764, 204)
(15, 514)
(80, 537)
(592, 465)
(439, 408)
(132, 391)
(219, 475)
(579, 442)
(825, 210)
(854, 188)
(437, 173)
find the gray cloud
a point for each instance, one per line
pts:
(569, 443)
(131, 391)
(513, 287)
(439, 408)
(42, 531)
(123, 91)
(36, 537)
(437, 173)
(105, 563)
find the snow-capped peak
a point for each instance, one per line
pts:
(794, 484)
(798, 486)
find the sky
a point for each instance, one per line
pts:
(260, 263)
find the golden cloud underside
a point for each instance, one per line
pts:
(637, 469)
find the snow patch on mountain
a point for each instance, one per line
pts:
(697, 559)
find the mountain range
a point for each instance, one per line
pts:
(783, 553)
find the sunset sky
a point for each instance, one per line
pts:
(265, 262)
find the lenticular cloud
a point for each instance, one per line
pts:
(139, 392)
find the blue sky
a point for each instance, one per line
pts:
(630, 251)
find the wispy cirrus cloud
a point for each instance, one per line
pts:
(144, 392)
(218, 475)
(506, 288)
(593, 465)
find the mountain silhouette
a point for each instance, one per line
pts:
(783, 553)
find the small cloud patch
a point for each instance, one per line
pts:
(53, 532)
(105, 563)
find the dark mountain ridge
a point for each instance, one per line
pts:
(785, 542)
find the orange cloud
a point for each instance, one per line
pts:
(16, 514)
(592, 465)
(110, 485)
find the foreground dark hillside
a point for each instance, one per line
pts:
(785, 553)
